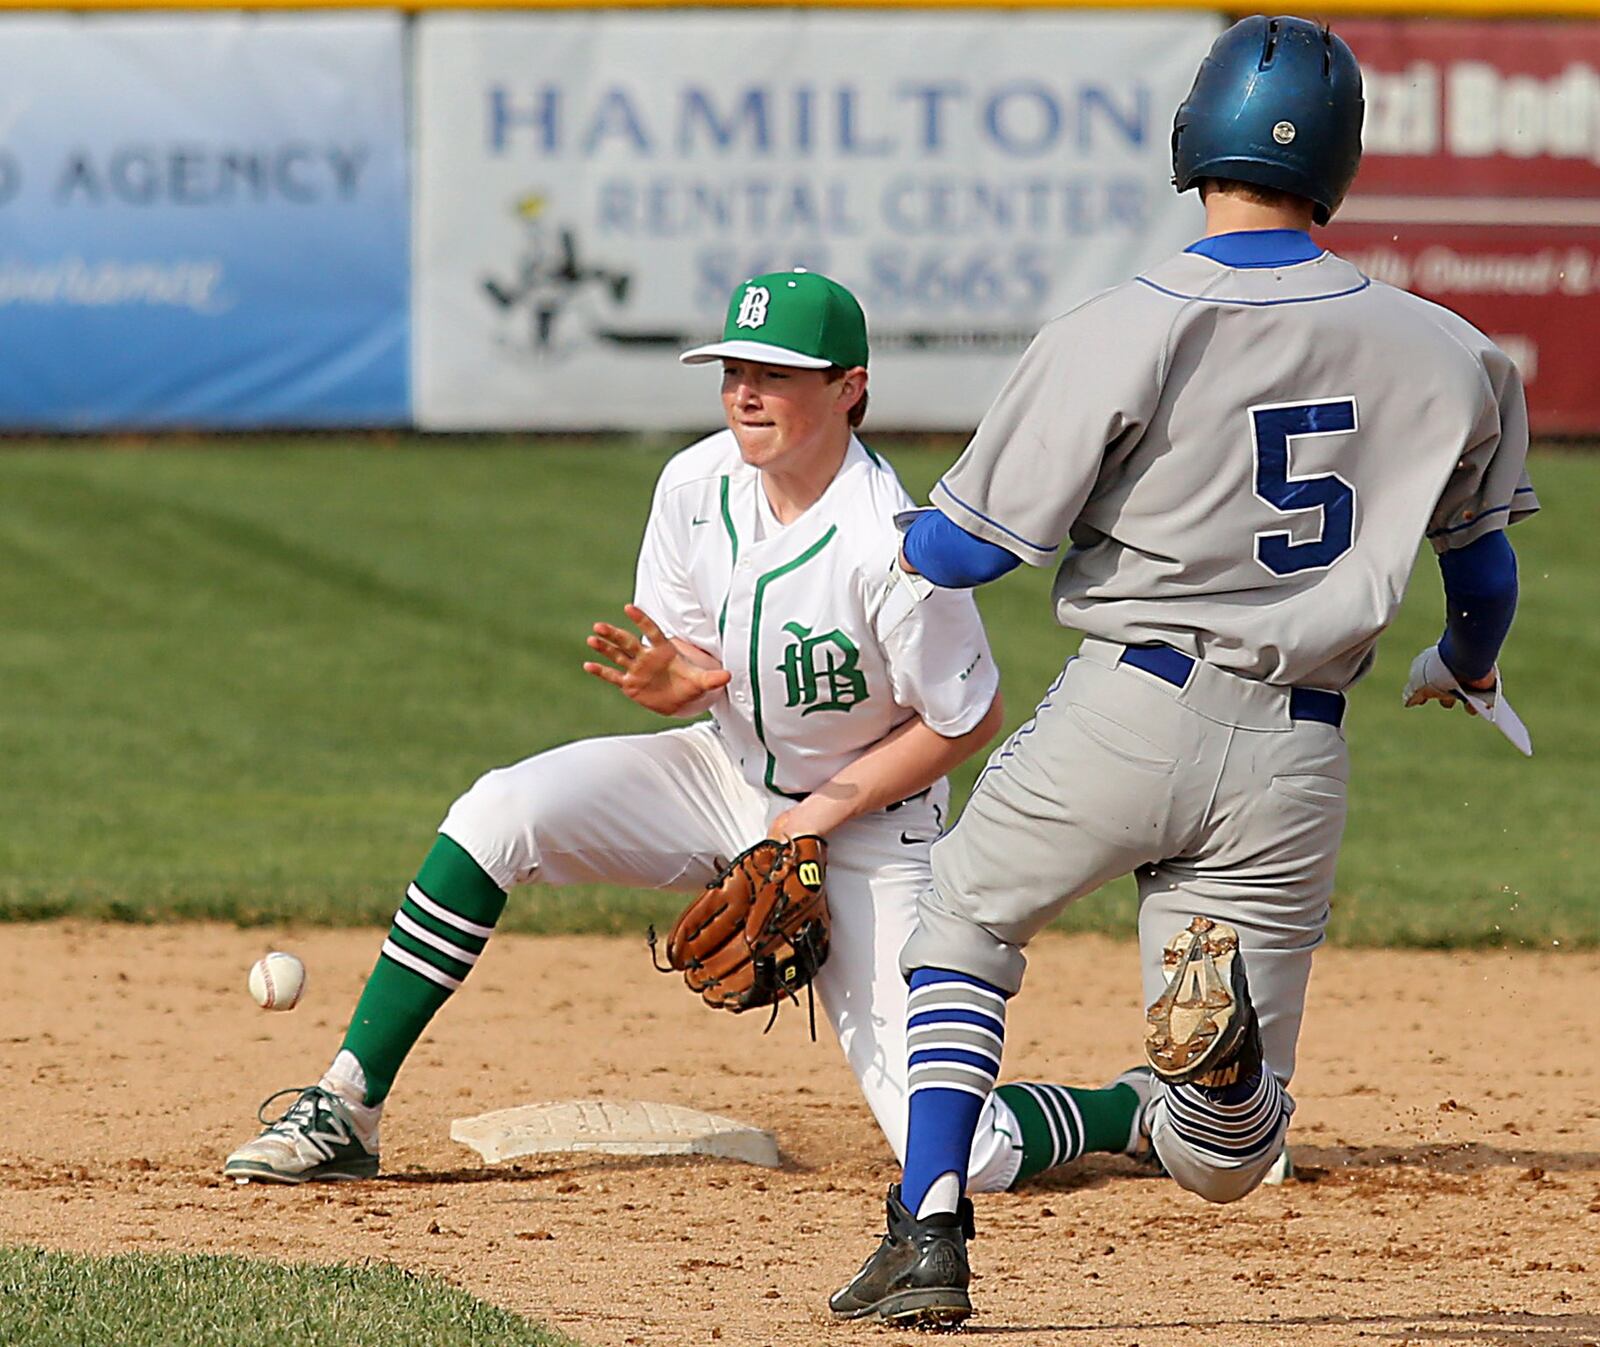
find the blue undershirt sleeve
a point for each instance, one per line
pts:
(1480, 594)
(952, 558)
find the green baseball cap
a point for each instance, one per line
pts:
(796, 318)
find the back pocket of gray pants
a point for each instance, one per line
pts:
(1121, 742)
(1323, 791)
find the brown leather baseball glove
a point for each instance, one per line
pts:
(759, 932)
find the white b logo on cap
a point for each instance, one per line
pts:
(1283, 132)
(753, 307)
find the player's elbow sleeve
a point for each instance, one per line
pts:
(950, 557)
(1480, 588)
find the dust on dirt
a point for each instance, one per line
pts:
(1447, 1142)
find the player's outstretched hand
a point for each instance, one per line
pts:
(650, 669)
(1430, 680)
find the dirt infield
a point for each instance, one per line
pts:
(1448, 1139)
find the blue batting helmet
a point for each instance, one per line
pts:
(1277, 103)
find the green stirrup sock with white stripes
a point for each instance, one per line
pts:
(1060, 1123)
(440, 930)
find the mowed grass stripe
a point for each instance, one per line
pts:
(143, 1300)
(244, 681)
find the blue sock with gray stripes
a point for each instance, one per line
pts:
(955, 1028)
(441, 928)
(1235, 1124)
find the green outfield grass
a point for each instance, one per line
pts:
(143, 1300)
(243, 681)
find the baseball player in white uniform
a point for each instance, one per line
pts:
(1231, 459)
(841, 689)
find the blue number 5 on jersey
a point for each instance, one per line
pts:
(1273, 429)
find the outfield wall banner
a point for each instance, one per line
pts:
(1480, 189)
(591, 187)
(203, 221)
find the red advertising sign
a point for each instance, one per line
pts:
(1480, 189)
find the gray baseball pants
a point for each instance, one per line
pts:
(1220, 804)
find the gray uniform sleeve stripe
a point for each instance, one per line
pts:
(1478, 519)
(1044, 548)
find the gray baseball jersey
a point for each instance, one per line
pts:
(1266, 524)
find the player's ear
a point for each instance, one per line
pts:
(852, 387)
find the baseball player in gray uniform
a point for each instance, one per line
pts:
(1238, 453)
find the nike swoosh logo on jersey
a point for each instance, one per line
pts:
(699, 521)
(911, 841)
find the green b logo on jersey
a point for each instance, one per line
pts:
(821, 672)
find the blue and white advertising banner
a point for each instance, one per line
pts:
(203, 221)
(592, 186)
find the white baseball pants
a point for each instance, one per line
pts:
(665, 811)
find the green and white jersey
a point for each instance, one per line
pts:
(1245, 460)
(823, 667)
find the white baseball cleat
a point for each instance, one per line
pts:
(1142, 1081)
(317, 1140)
(1282, 1169)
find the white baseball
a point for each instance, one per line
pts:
(277, 980)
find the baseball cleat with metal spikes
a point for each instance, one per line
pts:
(918, 1276)
(317, 1140)
(1202, 1029)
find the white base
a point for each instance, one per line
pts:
(631, 1127)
